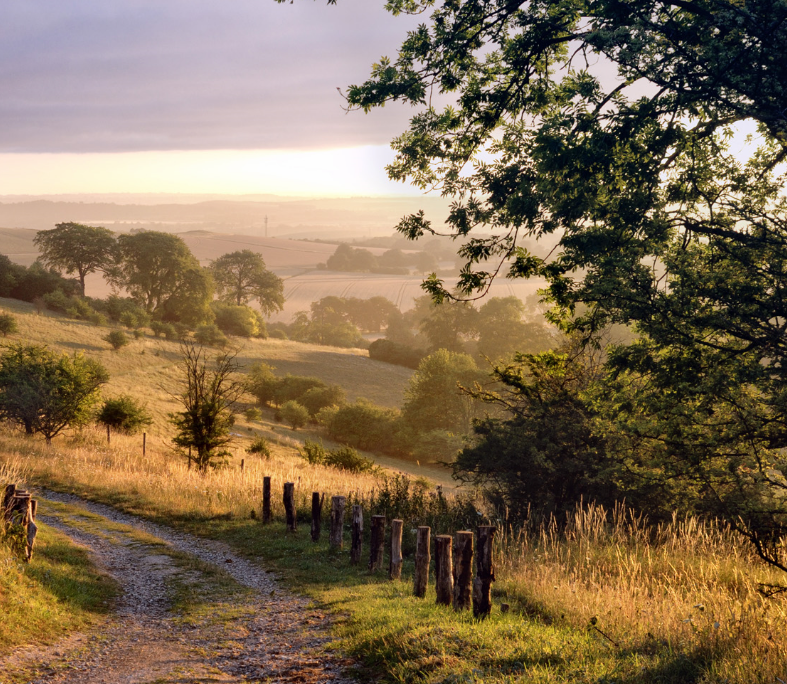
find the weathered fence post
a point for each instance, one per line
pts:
(395, 566)
(144, 443)
(336, 540)
(485, 572)
(289, 506)
(317, 502)
(108, 437)
(242, 464)
(422, 558)
(463, 570)
(357, 535)
(266, 500)
(444, 570)
(10, 490)
(377, 543)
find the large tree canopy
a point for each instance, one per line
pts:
(76, 248)
(241, 276)
(608, 129)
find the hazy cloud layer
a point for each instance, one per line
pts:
(94, 76)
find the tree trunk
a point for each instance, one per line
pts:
(266, 500)
(463, 571)
(485, 572)
(444, 570)
(395, 566)
(422, 558)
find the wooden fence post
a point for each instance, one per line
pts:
(266, 500)
(10, 491)
(395, 566)
(444, 570)
(242, 464)
(463, 570)
(289, 506)
(336, 540)
(108, 437)
(317, 502)
(377, 543)
(357, 535)
(485, 572)
(422, 558)
(144, 443)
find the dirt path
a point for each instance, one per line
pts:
(190, 611)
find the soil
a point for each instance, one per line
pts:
(171, 624)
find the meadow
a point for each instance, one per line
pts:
(602, 598)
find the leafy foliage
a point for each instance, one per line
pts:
(242, 276)
(117, 339)
(259, 447)
(45, 392)
(8, 324)
(239, 320)
(294, 414)
(125, 414)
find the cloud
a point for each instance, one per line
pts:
(135, 75)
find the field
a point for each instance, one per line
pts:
(293, 260)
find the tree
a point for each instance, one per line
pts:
(161, 274)
(654, 221)
(8, 325)
(239, 320)
(433, 399)
(242, 276)
(45, 392)
(125, 414)
(503, 330)
(294, 414)
(76, 248)
(208, 401)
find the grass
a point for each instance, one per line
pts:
(59, 592)
(604, 599)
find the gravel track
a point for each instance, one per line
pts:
(277, 636)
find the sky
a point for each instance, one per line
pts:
(194, 96)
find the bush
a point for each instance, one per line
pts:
(317, 398)
(129, 319)
(242, 321)
(210, 335)
(278, 334)
(262, 383)
(294, 414)
(252, 414)
(8, 325)
(313, 452)
(260, 447)
(97, 319)
(293, 387)
(125, 414)
(116, 307)
(363, 425)
(117, 338)
(395, 353)
(168, 330)
(347, 458)
(437, 446)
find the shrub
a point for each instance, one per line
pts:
(97, 319)
(210, 335)
(363, 425)
(395, 353)
(313, 452)
(294, 387)
(278, 334)
(437, 446)
(260, 447)
(317, 398)
(347, 458)
(262, 383)
(8, 325)
(242, 320)
(294, 414)
(129, 319)
(125, 414)
(168, 330)
(116, 307)
(117, 338)
(252, 414)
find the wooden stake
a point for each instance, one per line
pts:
(395, 566)
(444, 569)
(266, 500)
(33, 509)
(144, 443)
(377, 543)
(463, 571)
(336, 539)
(10, 491)
(242, 463)
(108, 438)
(357, 535)
(317, 502)
(289, 506)
(485, 572)
(422, 558)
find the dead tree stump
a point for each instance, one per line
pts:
(266, 500)
(422, 558)
(395, 566)
(357, 535)
(377, 543)
(317, 502)
(289, 506)
(485, 572)
(463, 571)
(337, 522)
(444, 569)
